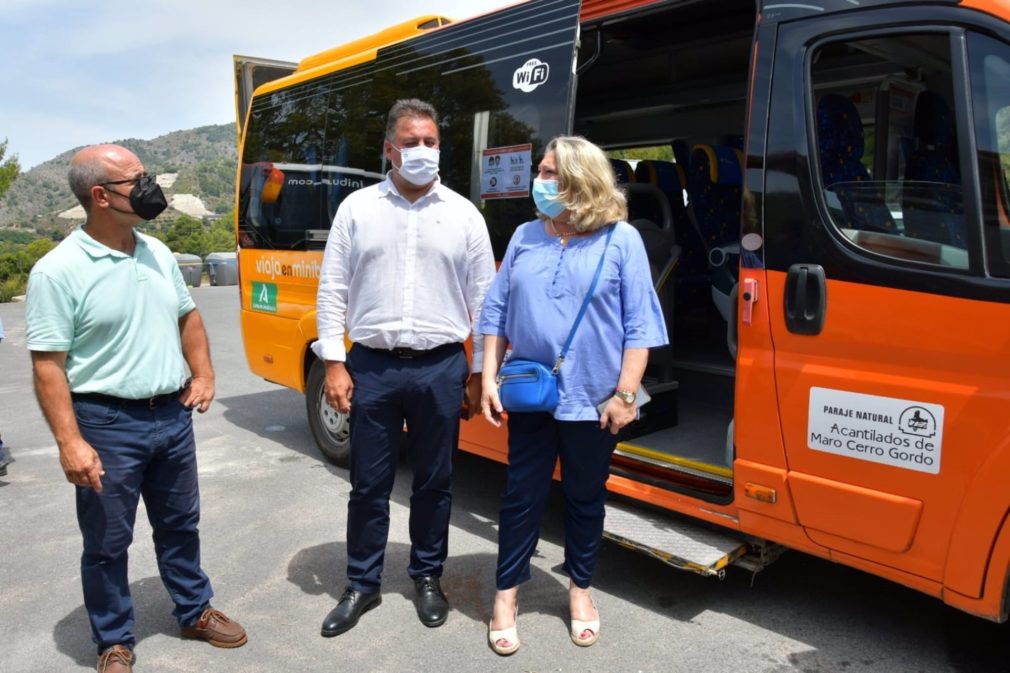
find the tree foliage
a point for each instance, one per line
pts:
(189, 235)
(222, 233)
(9, 169)
(655, 153)
(16, 260)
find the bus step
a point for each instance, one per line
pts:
(673, 541)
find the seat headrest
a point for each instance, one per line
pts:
(682, 153)
(839, 128)
(666, 175)
(724, 164)
(934, 124)
(622, 169)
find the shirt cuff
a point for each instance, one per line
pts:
(477, 353)
(332, 350)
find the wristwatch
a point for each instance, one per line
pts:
(626, 396)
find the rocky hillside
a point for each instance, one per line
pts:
(202, 161)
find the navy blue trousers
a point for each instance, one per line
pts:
(425, 392)
(535, 442)
(149, 453)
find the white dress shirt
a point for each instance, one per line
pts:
(400, 274)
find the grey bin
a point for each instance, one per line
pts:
(191, 267)
(222, 268)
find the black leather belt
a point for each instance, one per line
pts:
(411, 353)
(146, 403)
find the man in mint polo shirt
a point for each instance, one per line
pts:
(111, 330)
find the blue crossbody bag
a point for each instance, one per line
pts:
(527, 386)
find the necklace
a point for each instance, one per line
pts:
(563, 236)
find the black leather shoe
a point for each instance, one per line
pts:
(352, 605)
(432, 605)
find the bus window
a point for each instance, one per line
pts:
(886, 146)
(301, 157)
(990, 67)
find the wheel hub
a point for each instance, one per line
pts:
(334, 423)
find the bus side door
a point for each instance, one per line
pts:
(891, 326)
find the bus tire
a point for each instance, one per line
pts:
(330, 428)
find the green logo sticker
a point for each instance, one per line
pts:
(264, 297)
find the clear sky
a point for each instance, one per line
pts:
(75, 73)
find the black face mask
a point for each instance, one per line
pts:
(147, 199)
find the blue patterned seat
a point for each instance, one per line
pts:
(715, 184)
(840, 145)
(932, 205)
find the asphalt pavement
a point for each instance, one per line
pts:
(273, 522)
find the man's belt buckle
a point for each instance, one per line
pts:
(405, 353)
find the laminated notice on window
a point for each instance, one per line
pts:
(886, 430)
(505, 172)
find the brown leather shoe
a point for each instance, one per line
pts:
(116, 659)
(214, 627)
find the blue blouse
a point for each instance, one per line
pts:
(537, 294)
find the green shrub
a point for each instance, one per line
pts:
(12, 287)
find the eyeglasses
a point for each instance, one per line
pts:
(142, 176)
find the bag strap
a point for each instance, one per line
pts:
(585, 302)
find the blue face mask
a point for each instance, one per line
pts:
(545, 196)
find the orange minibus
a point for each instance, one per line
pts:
(823, 190)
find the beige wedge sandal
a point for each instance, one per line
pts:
(510, 635)
(578, 627)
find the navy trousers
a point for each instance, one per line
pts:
(149, 453)
(535, 442)
(426, 392)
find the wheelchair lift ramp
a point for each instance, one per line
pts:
(672, 540)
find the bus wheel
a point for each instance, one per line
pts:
(330, 428)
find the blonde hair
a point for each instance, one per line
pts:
(587, 185)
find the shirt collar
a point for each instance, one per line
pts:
(96, 249)
(388, 189)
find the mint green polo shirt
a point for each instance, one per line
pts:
(115, 315)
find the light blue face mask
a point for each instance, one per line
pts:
(545, 196)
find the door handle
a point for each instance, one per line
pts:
(806, 299)
(750, 297)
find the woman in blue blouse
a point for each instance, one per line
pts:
(531, 306)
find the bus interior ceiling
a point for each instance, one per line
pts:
(678, 73)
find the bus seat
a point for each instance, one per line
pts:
(715, 185)
(932, 207)
(669, 178)
(661, 237)
(663, 255)
(623, 171)
(840, 145)
(692, 278)
(682, 154)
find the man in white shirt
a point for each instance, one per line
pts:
(406, 267)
